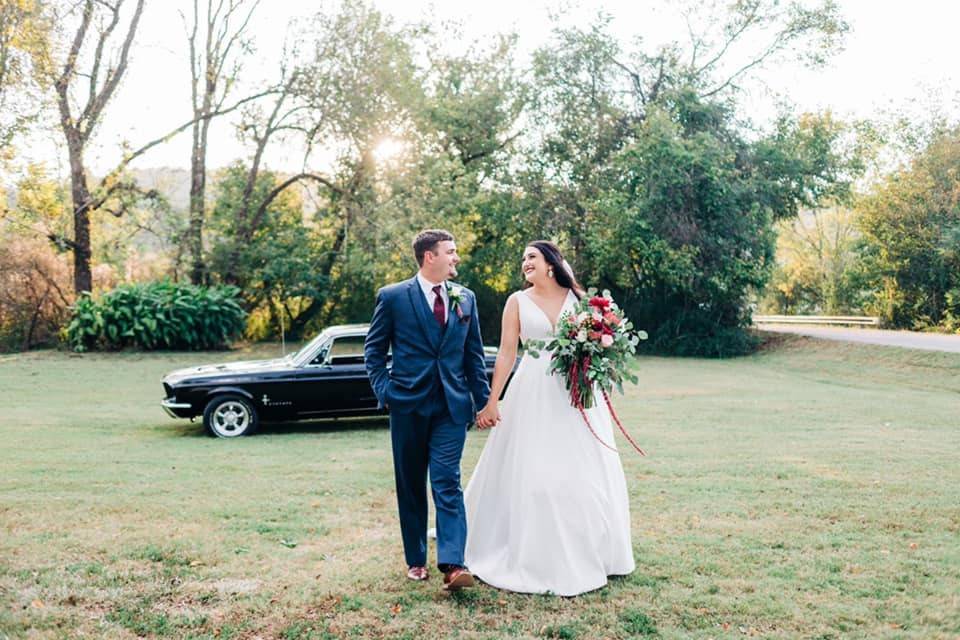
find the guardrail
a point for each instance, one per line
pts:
(865, 321)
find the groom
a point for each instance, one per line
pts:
(438, 377)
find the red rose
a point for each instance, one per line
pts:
(599, 302)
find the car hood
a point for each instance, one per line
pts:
(226, 369)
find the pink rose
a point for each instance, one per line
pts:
(606, 340)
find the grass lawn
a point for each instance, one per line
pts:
(809, 491)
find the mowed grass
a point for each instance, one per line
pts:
(809, 491)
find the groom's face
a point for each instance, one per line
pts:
(444, 260)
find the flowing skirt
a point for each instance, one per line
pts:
(547, 506)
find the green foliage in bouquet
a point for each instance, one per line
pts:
(592, 345)
(157, 315)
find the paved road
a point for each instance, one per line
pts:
(906, 339)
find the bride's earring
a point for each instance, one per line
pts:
(550, 273)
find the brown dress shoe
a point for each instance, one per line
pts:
(417, 573)
(457, 578)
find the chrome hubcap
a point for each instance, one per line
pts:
(230, 419)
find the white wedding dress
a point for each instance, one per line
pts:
(547, 506)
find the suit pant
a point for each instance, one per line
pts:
(432, 442)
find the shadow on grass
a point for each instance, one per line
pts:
(335, 425)
(186, 429)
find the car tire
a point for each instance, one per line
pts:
(230, 416)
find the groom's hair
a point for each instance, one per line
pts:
(427, 240)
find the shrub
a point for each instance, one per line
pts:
(696, 335)
(35, 293)
(157, 315)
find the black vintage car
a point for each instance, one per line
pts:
(324, 379)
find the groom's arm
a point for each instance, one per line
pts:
(376, 346)
(474, 364)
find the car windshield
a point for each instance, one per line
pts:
(307, 351)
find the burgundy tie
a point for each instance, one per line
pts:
(438, 310)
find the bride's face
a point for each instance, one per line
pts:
(534, 266)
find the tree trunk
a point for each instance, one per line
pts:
(198, 181)
(77, 129)
(245, 231)
(80, 196)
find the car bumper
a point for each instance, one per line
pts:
(176, 409)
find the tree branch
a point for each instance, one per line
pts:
(480, 154)
(98, 54)
(71, 63)
(276, 191)
(131, 156)
(774, 46)
(750, 19)
(91, 114)
(222, 56)
(634, 77)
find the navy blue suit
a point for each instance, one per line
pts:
(437, 382)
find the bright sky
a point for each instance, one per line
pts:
(896, 53)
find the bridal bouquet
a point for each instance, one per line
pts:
(591, 350)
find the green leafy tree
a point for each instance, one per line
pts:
(277, 267)
(455, 173)
(911, 226)
(819, 265)
(652, 178)
(25, 36)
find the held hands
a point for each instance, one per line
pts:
(489, 416)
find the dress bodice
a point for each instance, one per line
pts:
(534, 323)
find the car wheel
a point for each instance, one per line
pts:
(230, 416)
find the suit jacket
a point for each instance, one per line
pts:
(424, 353)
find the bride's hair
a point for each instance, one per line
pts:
(562, 272)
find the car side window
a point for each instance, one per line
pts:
(347, 350)
(321, 356)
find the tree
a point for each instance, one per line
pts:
(655, 183)
(24, 36)
(79, 122)
(349, 56)
(104, 59)
(215, 62)
(275, 267)
(911, 226)
(456, 171)
(818, 268)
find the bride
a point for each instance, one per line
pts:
(547, 507)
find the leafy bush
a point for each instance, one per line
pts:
(697, 335)
(157, 315)
(35, 293)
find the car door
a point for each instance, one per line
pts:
(337, 385)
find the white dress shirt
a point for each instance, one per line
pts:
(427, 287)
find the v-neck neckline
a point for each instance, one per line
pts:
(553, 325)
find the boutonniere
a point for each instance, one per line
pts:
(455, 294)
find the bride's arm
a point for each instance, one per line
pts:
(506, 357)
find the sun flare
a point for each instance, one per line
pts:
(389, 149)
